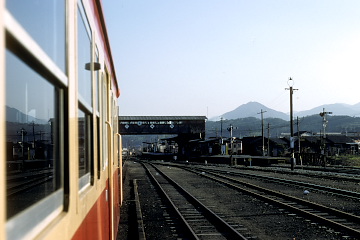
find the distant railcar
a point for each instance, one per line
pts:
(60, 151)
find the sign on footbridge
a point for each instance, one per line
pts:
(181, 125)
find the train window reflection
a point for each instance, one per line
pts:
(104, 114)
(84, 57)
(85, 99)
(84, 148)
(32, 136)
(45, 22)
(97, 74)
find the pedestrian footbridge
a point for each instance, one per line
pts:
(182, 125)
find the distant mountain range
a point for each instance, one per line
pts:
(337, 109)
(253, 109)
(252, 126)
(14, 115)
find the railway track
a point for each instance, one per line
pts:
(24, 181)
(294, 183)
(331, 169)
(334, 173)
(345, 222)
(198, 221)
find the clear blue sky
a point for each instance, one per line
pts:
(207, 57)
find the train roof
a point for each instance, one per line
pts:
(101, 25)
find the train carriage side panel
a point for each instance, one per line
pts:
(101, 26)
(2, 125)
(84, 211)
(96, 222)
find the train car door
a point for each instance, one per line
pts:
(106, 129)
(117, 184)
(110, 157)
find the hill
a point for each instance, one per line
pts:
(252, 109)
(336, 109)
(251, 126)
(14, 115)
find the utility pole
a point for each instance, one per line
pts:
(268, 142)
(221, 120)
(23, 133)
(291, 84)
(221, 139)
(230, 129)
(262, 131)
(325, 122)
(298, 131)
(299, 136)
(33, 131)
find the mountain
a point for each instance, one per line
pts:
(356, 106)
(252, 109)
(252, 126)
(14, 115)
(336, 109)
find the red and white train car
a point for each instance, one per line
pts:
(60, 151)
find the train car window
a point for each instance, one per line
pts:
(34, 157)
(97, 77)
(98, 147)
(84, 121)
(85, 86)
(118, 147)
(104, 110)
(31, 120)
(115, 129)
(97, 111)
(35, 114)
(84, 59)
(50, 15)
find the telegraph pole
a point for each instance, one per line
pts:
(268, 142)
(221, 120)
(221, 132)
(292, 160)
(262, 131)
(325, 122)
(23, 133)
(230, 129)
(298, 130)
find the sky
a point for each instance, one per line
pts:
(207, 57)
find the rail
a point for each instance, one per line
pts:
(222, 226)
(337, 219)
